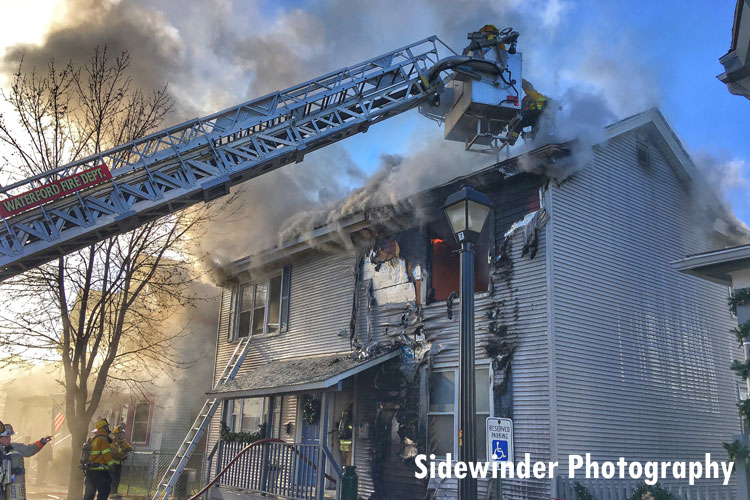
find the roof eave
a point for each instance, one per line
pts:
(715, 266)
(319, 385)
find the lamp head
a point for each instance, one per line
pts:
(467, 211)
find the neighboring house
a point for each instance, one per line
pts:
(585, 335)
(736, 62)
(157, 415)
(30, 400)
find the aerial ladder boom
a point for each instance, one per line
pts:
(73, 206)
(200, 160)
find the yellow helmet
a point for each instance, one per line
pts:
(490, 28)
(118, 429)
(100, 424)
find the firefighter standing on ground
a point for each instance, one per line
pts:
(98, 479)
(120, 449)
(12, 472)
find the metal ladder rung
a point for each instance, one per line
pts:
(180, 460)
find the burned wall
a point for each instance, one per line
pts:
(511, 338)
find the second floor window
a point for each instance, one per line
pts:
(262, 308)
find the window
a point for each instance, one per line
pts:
(446, 263)
(141, 421)
(245, 415)
(441, 410)
(642, 154)
(262, 308)
(442, 424)
(246, 294)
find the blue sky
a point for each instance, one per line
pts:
(628, 56)
(673, 49)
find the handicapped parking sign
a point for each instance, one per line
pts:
(499, 439)
(499, 450)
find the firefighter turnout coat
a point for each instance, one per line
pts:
(13, 471)
(100, 456)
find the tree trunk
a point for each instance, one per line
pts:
(78, 435)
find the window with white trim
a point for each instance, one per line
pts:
(245, 415)
(141, 421)
(442, 405)
(261, 308)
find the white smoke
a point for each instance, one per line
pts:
(218, 53)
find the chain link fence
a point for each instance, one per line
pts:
(143, 470)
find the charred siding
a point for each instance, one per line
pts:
(520, 300)
(641, 351)
(512, 200)
(377, 440)
(529, 390)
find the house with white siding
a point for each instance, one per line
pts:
(586, 336)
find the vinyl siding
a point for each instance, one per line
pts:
(642, 352)
(525, 305)
(522, 306)
(212, 435)
(322, 288)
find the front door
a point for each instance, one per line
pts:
(309, 415)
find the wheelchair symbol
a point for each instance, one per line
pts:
(500, 450)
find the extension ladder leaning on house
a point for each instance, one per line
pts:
(180, 460)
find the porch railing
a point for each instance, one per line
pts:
(282, 469)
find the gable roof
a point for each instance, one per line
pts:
(650, 122)
(654, 123)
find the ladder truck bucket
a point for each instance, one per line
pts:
(483, 104)
(480, 101)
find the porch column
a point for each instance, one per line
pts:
(322, 443)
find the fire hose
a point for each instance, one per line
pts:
(245, 449)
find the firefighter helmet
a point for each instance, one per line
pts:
(101, 424)
(6, 430)
(490, 28)
(118, 429)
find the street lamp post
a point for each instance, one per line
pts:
(467, 211)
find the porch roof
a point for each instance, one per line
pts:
(298, 375)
